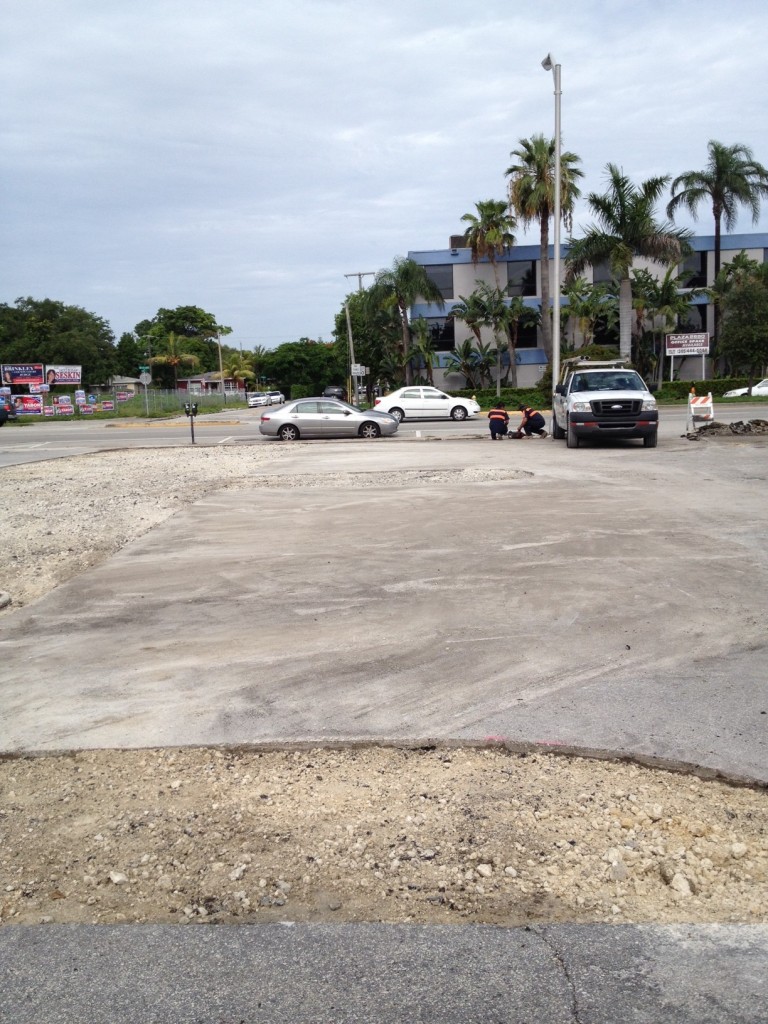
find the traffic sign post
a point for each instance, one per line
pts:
(145, 377)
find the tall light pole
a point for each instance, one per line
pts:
(549, 65)
(221, 371)
(359, 274)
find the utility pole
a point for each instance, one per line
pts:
(359, 274)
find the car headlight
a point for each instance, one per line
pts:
(649, 404)
(581, 407)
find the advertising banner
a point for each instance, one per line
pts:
(687, 344)
(86, 410)
(63, 374)
(107, 406)
(48, 410)
(62, 399)
(28, 405)
(122, 396)
(22, 373)
(64, 410)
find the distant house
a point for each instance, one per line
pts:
(130, 384)
(209, 384)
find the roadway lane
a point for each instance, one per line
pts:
(40, 441)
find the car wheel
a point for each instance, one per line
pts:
(369, 430)
(571, 439)
(288, 432)
(398, 414)
(557, 432)
(458, 413)
(651, 440)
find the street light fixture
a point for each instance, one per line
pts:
(549, 65)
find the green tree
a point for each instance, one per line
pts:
(174, 355)
(48, 331)
(490, 232)
(664, 305)
(532, 197)
(423, 348)
(129, 355)
(589, 305)
(744, 334)
(190, 322)
(239, 367)
(376, 334)
(463, 359)
(312, 364)
(399, 287)
(626, 227)
(472, 311)
(732, 178)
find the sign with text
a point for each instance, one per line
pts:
(22, 373)
(63, 374)
(28, 405)
(688, 344)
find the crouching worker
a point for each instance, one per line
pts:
(532, 423)
(498, 421)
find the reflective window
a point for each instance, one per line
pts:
(308, 407)
(602, 273)
(693, 271)
(521, 277)
(442, 333)
(442, 276)
(412, 393)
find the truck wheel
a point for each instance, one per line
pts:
(651, 440)
(571, 439)
(557, 432)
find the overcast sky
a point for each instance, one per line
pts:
(244, 155)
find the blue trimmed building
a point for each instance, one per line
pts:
(519, 274)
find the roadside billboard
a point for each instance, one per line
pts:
(58, 374)
(22, 373)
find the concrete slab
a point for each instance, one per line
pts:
(604, 598)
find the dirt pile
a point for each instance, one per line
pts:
(715, 429)
(435, 835)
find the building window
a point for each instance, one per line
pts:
(693, 271)
(441, 332)
(695, 319)
(442, 276)
(521, 278)
(602, 273)
(528, 336)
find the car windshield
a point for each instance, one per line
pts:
(610, 380)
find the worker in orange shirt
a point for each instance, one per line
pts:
(532, 423)
(498, 421)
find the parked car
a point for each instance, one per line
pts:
(276, 397)
(258, 398)
(420, 403)
(7, 409)
(325, 417)
(758, 390)
(335, 391)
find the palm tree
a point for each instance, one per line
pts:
(663, 304)
(732, 178)
(463, 359)
(489, 234)
(588, 304)
(238, 367)
(174, 356)
(423, 347)
(400, 286)
(626, 227)
(532, 197)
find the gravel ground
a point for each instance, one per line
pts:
(373, 834)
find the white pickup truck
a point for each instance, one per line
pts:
(603, 400)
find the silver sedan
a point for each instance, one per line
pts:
(325, 417)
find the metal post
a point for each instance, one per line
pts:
(221, 370)
(359, 274)
(549, 65)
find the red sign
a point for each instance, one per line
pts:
(107, 406)
(63, 374)
(28, 405)
(64, 410)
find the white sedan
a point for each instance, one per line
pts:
(758, 390)
(422, 403)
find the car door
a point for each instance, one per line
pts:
(309, 418)
(337, 419)
(436, 404)
(412, 403)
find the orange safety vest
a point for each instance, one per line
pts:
(499, 414)
(528, 413)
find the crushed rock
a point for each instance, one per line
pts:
(716, 429)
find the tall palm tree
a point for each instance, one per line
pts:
(463, 359)
(732, 178)
(471, 310)
(490, 232)
(239, 368)
(400, 286)
(626, 227)
(532, 197)
(174, 356)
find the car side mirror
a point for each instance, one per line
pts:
(653, 388)
(560, 389)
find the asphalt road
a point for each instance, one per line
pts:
(38, 441)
